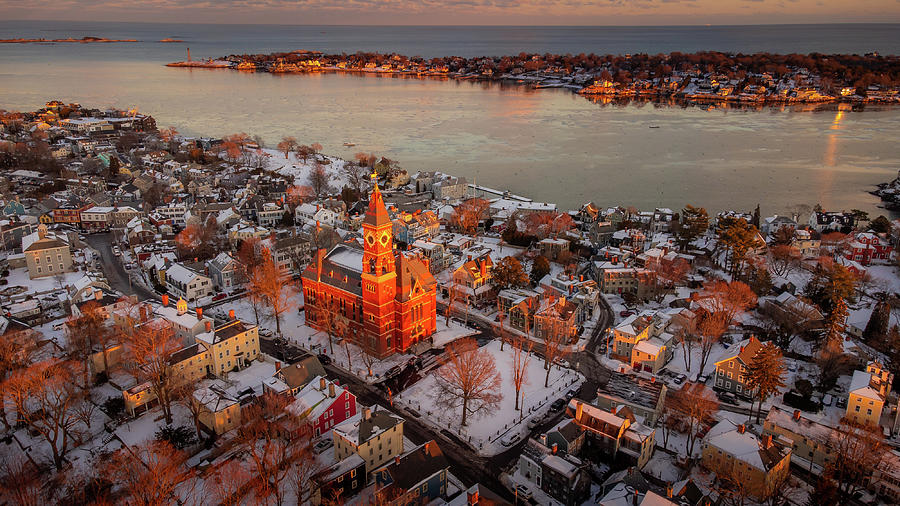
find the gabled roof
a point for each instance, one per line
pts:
(743, 351)
(417, 466)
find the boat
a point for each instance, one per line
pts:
(654, 126)
(349, 144)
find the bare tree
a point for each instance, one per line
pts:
(859, 452)
(20, 482)
(17, 351)
(469, 379)
(149, 352)
(356, 176)
(319, 180)
(521, 355)
(45, 396)
(468, 215)
(695, 405)
(784, 259)
(268, 437)
(274, 287)
(149, 474)
(287, 145)
(555, 338)
(226, 483)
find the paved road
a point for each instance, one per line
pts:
(115, 273)
(465, 464)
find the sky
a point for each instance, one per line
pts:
(460, 12)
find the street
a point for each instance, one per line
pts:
(465, 463)
(116, 275)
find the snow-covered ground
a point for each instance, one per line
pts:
(300, 169)
(485, 430)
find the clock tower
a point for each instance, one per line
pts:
(379, 277)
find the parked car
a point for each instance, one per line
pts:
(702, 379)
(393, 371)
(681, 378)
(571, 395)
(323, 445)
(323, 359)
(265, 333)
(728, 398)
(510, 439)
(523, 493)
(827, 400)
(558, 404)
(534, 422)
(841, 402)
(219, 296)
(625, 314)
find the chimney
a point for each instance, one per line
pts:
(277, 366)
(670, 490)
(472, 496)
(581, 278)
(741, 428)
(796, 415)
(543, 439)
(468, 258)
(484, 268)
(165, 299)
(142, 311)
(767, 441)
(98, 295)
(199, 313)
(331, 390)
(579, 410)
(397, 460)
(322, 383)
(367, 413)
(426, 446)
(554, 448)
(231, 314)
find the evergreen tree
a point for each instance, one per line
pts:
(693, 223)
(765, 374)
(756, 217)
(877, 327)
(834, 326)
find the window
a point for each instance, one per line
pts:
(857, 408)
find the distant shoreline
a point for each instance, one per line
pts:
(83, 40)
(701, 78)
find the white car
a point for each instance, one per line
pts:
(510, 439)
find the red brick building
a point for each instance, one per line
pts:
(382, 299)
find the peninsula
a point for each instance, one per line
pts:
(696, 77)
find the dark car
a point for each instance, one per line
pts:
(571, 395)
(219, 296)
(728, 398)
(558, 404)
(323, 358)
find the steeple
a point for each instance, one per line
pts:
(377, 214)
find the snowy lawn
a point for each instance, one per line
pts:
(485, 430)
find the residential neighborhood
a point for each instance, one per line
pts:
(277, 325)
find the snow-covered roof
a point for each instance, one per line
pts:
(181, 274)
(860, 385)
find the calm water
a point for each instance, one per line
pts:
(550, 144)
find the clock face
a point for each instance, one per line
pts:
(370, 238)
(384, 239)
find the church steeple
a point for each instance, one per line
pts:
(377, 214)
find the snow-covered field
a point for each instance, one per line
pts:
(485, 430)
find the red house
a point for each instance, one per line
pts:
(384, 300)
(321, 405)
(867, 248)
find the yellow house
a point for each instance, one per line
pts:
(232, 345)
(219, 411)
(627, 334)
(759, 464)
(376, 436)
(865, 400)
(218, 351)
